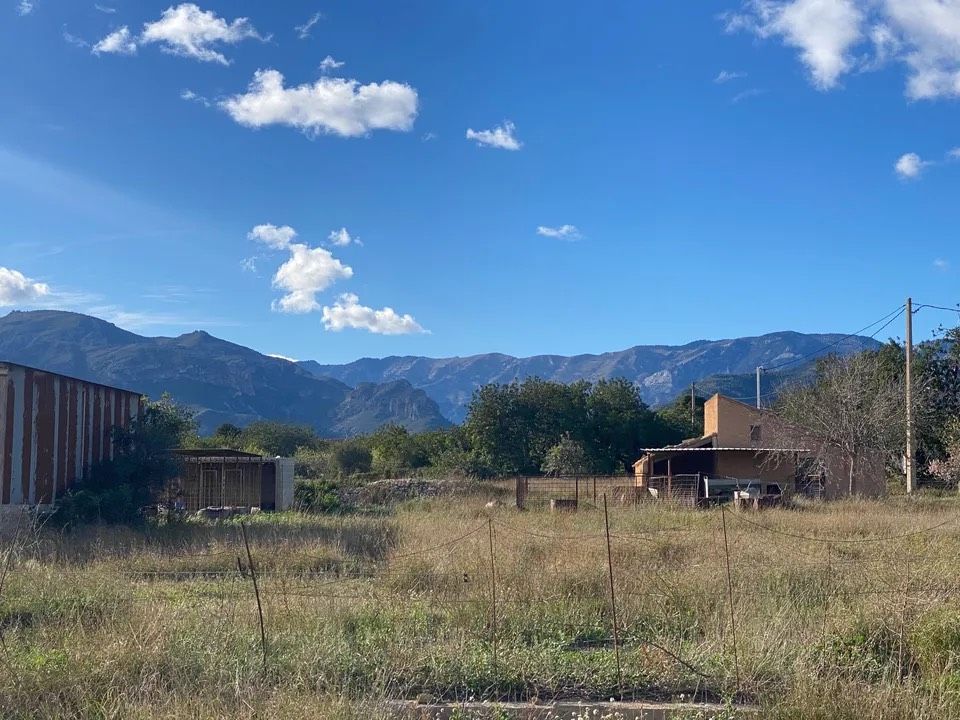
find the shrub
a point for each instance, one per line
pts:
(316, 496)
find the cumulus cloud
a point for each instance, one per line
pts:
(564, 232)
(188, 31)
(334, 106)
(909, 166)
(954, 154)
(16, 288)
(25, 7)
(501, 136)
(279, 238)
(307, 272)
(725, 76)
(347, 312)
(303, 31)
(185, 30)
(924, 35)
(941, 264)
(342, 237)
(824, 31)
(328, 64)
(119, 42)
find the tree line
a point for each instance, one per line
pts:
(522, 428)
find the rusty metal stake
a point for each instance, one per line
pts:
(493, 593)
(733, 617)
(256, 592)
(613, 598)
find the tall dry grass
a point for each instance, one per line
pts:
(844, 610)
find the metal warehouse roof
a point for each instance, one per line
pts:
(213, 453)
(720, 449)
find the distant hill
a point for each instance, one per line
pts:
(222, 381)
(225, 382)
(661, 371)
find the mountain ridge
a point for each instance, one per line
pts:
(661, 371)
(228, 382)
(220, 380)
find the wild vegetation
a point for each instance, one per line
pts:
(847, 610)
(524, 428)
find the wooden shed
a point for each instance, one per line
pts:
(222, 477)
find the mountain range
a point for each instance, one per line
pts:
(660, 371)
(226, 382)
(221, 381)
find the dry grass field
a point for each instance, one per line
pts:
(845, 610)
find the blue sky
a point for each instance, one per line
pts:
(535, 177)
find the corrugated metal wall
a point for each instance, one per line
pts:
(52, 427)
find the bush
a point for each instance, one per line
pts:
(317, 496)
(118, 491)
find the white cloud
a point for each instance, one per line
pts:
(746, 95)
(824, 31)
(188, 31)
(929, 31)
(330, 105)
(17, 288)
(909, 166)
(428, 136)
(499, 137)
(303, 31)
(119, 42)
(104, 9)
(342, 238)
(249, 264)
(72, 39)
(347, 312)
(279, 238)
(278, 356)
(922, 34)
(328, 64)
(725, 76)
(25, 7)
(191, 96)
(564, 232)
(941, 264)
(307, 272)
(954, 154)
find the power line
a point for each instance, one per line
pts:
(935, 307)
(888, 318)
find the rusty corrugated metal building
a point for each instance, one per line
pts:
(52, 427)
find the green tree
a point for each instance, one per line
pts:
(116, 491)
(676, 415)
(277, 438)
(350, 458)
(567, 457)
(395, 452)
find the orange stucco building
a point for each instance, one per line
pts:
(747, 447)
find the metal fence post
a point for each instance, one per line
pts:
(613, 598)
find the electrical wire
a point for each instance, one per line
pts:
(888, 318)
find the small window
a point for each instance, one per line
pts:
(755, 433)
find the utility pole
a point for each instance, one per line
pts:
(911, 440)
(693, 404)
(759, 370)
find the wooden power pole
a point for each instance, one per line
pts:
(693, 404)
(911, 440)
